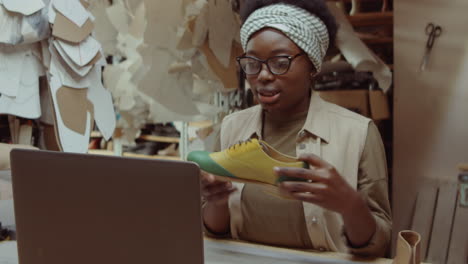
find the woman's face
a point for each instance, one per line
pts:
(280, 94)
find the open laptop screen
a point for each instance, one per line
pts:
(79, 208)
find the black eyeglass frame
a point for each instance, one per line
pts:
(290, 58)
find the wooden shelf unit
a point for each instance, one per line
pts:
(97, 134)
(129, 154)
(372, 19)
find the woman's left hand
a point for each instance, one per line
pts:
(325, 188)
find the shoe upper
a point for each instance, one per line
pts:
(251, 160)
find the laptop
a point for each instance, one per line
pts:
(80, 208)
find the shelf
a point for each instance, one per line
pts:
(160, 139)
(371, 19)
(97, 134)
(463, 166)
(377, 40)
(101, 152)
(201, 124)
(129, 154)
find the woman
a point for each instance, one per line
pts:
(344, 206)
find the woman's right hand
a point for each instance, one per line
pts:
(215, 191)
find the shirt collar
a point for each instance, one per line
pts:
(317, 121)
(253, 127)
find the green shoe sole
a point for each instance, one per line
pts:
(206, 163)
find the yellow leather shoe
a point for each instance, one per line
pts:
(249, 161)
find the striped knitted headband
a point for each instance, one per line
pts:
(306, 30)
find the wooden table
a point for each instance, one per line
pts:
(230, 252)
(216, 251)
(233, 252)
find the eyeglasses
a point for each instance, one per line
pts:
(277, 65)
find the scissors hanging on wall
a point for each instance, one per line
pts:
(433, 31)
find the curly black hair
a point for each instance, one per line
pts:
(315, 7)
